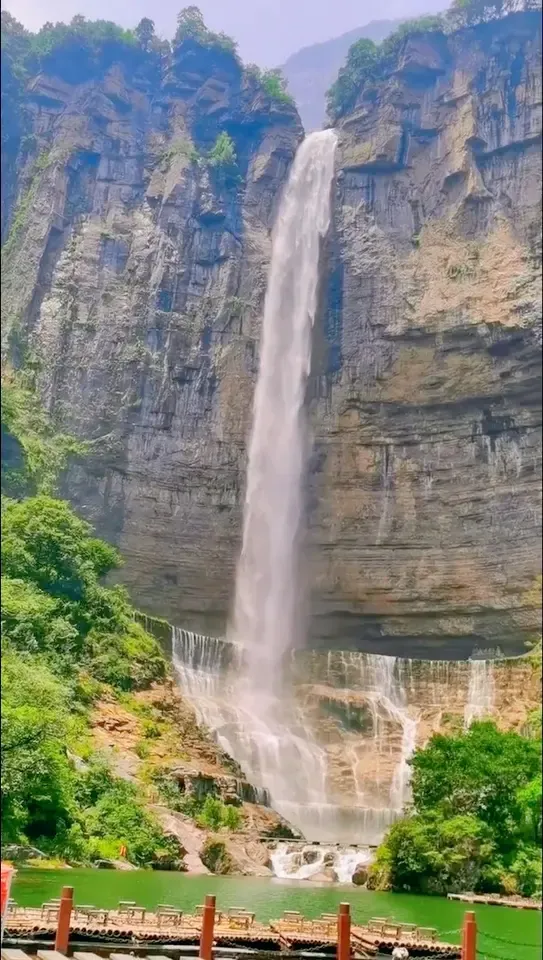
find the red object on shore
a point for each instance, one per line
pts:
(208, 924)
(469, 937)
(64, 916)
(7, 874)
(344, 932)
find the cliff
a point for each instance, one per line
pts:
(427, 517)
(133, 280)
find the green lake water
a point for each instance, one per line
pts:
(504, 933)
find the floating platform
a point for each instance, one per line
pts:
(235, 929)
(494, 900)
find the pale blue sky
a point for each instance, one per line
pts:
(267, 31)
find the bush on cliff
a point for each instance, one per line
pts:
(476, 822)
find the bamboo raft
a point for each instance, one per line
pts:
(132, 925)
(496, 901)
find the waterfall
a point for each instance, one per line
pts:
(480, 699)
(268, 605)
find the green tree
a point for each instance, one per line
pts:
(529, 799)
(37, 782)
(45, 543)
(478, 773)
(360, 68)
(190, 24)
(145, 32)
(274, 85)
(223, 153)
(431, 855)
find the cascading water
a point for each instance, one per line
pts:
(268, 596)
(310, 862)
(480, 699)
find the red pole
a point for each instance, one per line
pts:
(344, 932)
(64, 916)
(208, 923)
(469, 937)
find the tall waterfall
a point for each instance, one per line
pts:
(268, 607)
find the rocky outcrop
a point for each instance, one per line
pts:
(134, 275)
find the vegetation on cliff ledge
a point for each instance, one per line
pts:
(67, 640)
(476, 823)
(368, 62)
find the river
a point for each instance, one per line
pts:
(504, 933)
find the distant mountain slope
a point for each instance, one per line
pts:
(312, 70)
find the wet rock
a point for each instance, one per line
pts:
(310, 856)
(360, 876)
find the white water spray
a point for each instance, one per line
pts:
(269, 598)
(480, 700)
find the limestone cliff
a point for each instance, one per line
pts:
(135, 273)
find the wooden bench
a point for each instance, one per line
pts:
(169, 915)
(426, 933)
(240, 918)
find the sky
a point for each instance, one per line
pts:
(267, 31)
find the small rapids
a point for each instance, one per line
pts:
(312, 862)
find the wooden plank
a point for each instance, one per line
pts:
(50, 955)
(14, 955)
(81, 955)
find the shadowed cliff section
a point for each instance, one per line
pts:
(134, 276)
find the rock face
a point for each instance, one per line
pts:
(134, 274)
(359, 712)
(428, 418)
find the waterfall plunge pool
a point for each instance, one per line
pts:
(513, 934)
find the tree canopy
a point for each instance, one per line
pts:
(476, 823)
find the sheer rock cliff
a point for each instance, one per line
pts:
(134, 274)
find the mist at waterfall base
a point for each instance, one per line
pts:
(242, 688)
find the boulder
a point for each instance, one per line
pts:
(360, 876)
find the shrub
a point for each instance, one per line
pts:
(223, 153)
(215, 856)
(274, 86)
(361, 66)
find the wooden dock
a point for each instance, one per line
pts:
(494, 900)
(134, 926)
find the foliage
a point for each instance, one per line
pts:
(116, 817)
(477, 773)
(43, 451)
(37, 781)
(81, 48)
(216, 814)
(215, 856)
(361, 66)
(145, 32)
(274, 86)
(434, 855)
(64, 636)
(191, 26)
(477, 818)
(223, 153)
